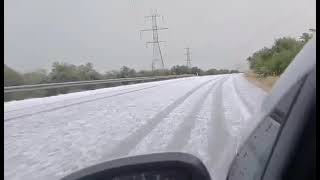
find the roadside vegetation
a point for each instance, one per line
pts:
(64, 72)
(267, 64)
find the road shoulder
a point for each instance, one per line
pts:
(265, 84)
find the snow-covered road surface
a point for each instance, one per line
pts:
(48, 138)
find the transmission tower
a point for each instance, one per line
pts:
(155, 40)
(188, 57)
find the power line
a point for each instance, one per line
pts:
(155, 40)
(188, 57)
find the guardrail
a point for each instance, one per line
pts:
(84, 83)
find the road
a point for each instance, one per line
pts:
(48, 138)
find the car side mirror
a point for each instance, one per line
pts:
(159, 166)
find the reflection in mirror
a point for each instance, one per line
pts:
(155, 175)
(157, 166)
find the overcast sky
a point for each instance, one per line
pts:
(220, 33)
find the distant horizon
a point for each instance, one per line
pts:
(48, 70)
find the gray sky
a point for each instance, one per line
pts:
(220, 33)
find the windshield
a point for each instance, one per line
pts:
(90, 81)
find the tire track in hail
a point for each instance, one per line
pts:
(82, 102)
(131, 141)
(64, 101)
(218, 136)
(161, 136)
(89, 100)
(95, 94)
(182, 135)
(198, 141)
(73, 104)
(248, 106)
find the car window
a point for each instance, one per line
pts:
(301, 114)
(250, 162)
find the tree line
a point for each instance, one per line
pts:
(274, 60)
(65, 72)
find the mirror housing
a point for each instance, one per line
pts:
(158, 166)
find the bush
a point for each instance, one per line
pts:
(273, 61)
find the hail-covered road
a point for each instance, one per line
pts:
(48, 138)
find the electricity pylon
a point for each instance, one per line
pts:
(188, 57)
(155, 40)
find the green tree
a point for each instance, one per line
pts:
(196, 71)
(178, 70)
(87, 72)
(36, 77)
(126, 72)
(63, 72)
(212, 71)
(273, 61)
(11, 77)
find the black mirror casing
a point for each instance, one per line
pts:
(158, 166)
